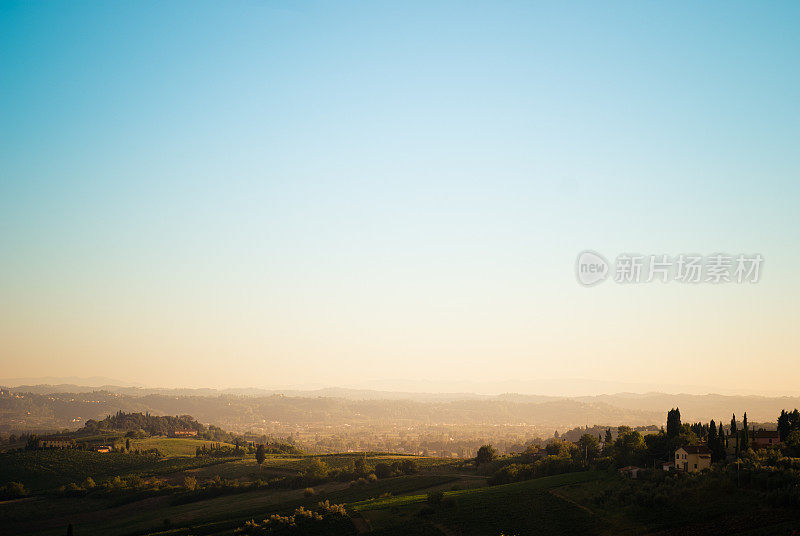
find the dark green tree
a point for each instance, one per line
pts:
(383, 470)
(784, 426)
(657, 448)
(711, 436)
(261, 455)
(629, 448)
(794, 420)
(744, 441)
(673, 423)
(486, 454)
(589, 447)
(408, 467)
(32, 443)
(360, 465)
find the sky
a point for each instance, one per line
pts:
(394, 194)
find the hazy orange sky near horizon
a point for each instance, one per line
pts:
(361, 195)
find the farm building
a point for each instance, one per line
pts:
(692, 458)
(766, 438)
(186, 432)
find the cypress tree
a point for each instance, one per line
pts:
(794, 420)
(673, 423)
(711, 440)
(744, 443)
(783, 425)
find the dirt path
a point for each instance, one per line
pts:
(563, 497)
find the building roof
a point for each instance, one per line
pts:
(696, 449)
(767, 434)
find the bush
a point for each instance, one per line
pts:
(13, 490)
(315, 469)
(309, 492)
(408, 467)
(326, 520)
(371, 478)
(383, 470)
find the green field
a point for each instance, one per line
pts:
(172, 447)
(539, 483)
(522, 508)
(707, 509)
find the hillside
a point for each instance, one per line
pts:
(150, 424)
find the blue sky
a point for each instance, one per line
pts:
(317, 192)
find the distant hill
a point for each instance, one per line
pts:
(65, 406)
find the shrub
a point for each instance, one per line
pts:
(372, 478)
(309, 492)
(327, 519)
(383, 470)
(408, 467)
(315, 469)
(13, 490)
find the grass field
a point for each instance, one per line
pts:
(172, 447)
(522, 508)
(539, 483)
(708, 510)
